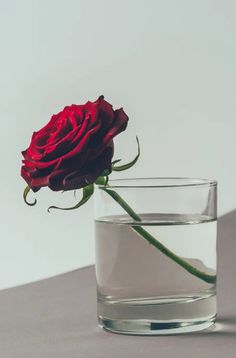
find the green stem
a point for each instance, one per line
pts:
(153, 241)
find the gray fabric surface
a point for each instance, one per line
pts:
(57, 317)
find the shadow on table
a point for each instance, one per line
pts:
(225, 327)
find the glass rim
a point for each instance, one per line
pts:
(174, 182)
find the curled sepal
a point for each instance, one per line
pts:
(26, 192)
(116, 161)
(128, 165)
(87, 193)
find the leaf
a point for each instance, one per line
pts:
(87, 193)
(128, 165)
(26, 192)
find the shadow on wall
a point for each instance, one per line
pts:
(226, 272)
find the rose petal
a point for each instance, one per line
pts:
(74, 147)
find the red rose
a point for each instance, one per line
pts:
(74, 148)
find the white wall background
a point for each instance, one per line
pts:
(170, 64)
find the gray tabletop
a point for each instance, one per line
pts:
(57, 317)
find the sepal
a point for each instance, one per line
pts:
(128, 165)
(25, 194)
(87, 193)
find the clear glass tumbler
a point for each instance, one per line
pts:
(156, 255)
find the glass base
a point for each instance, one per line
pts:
(144, 327)
(172, 315)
